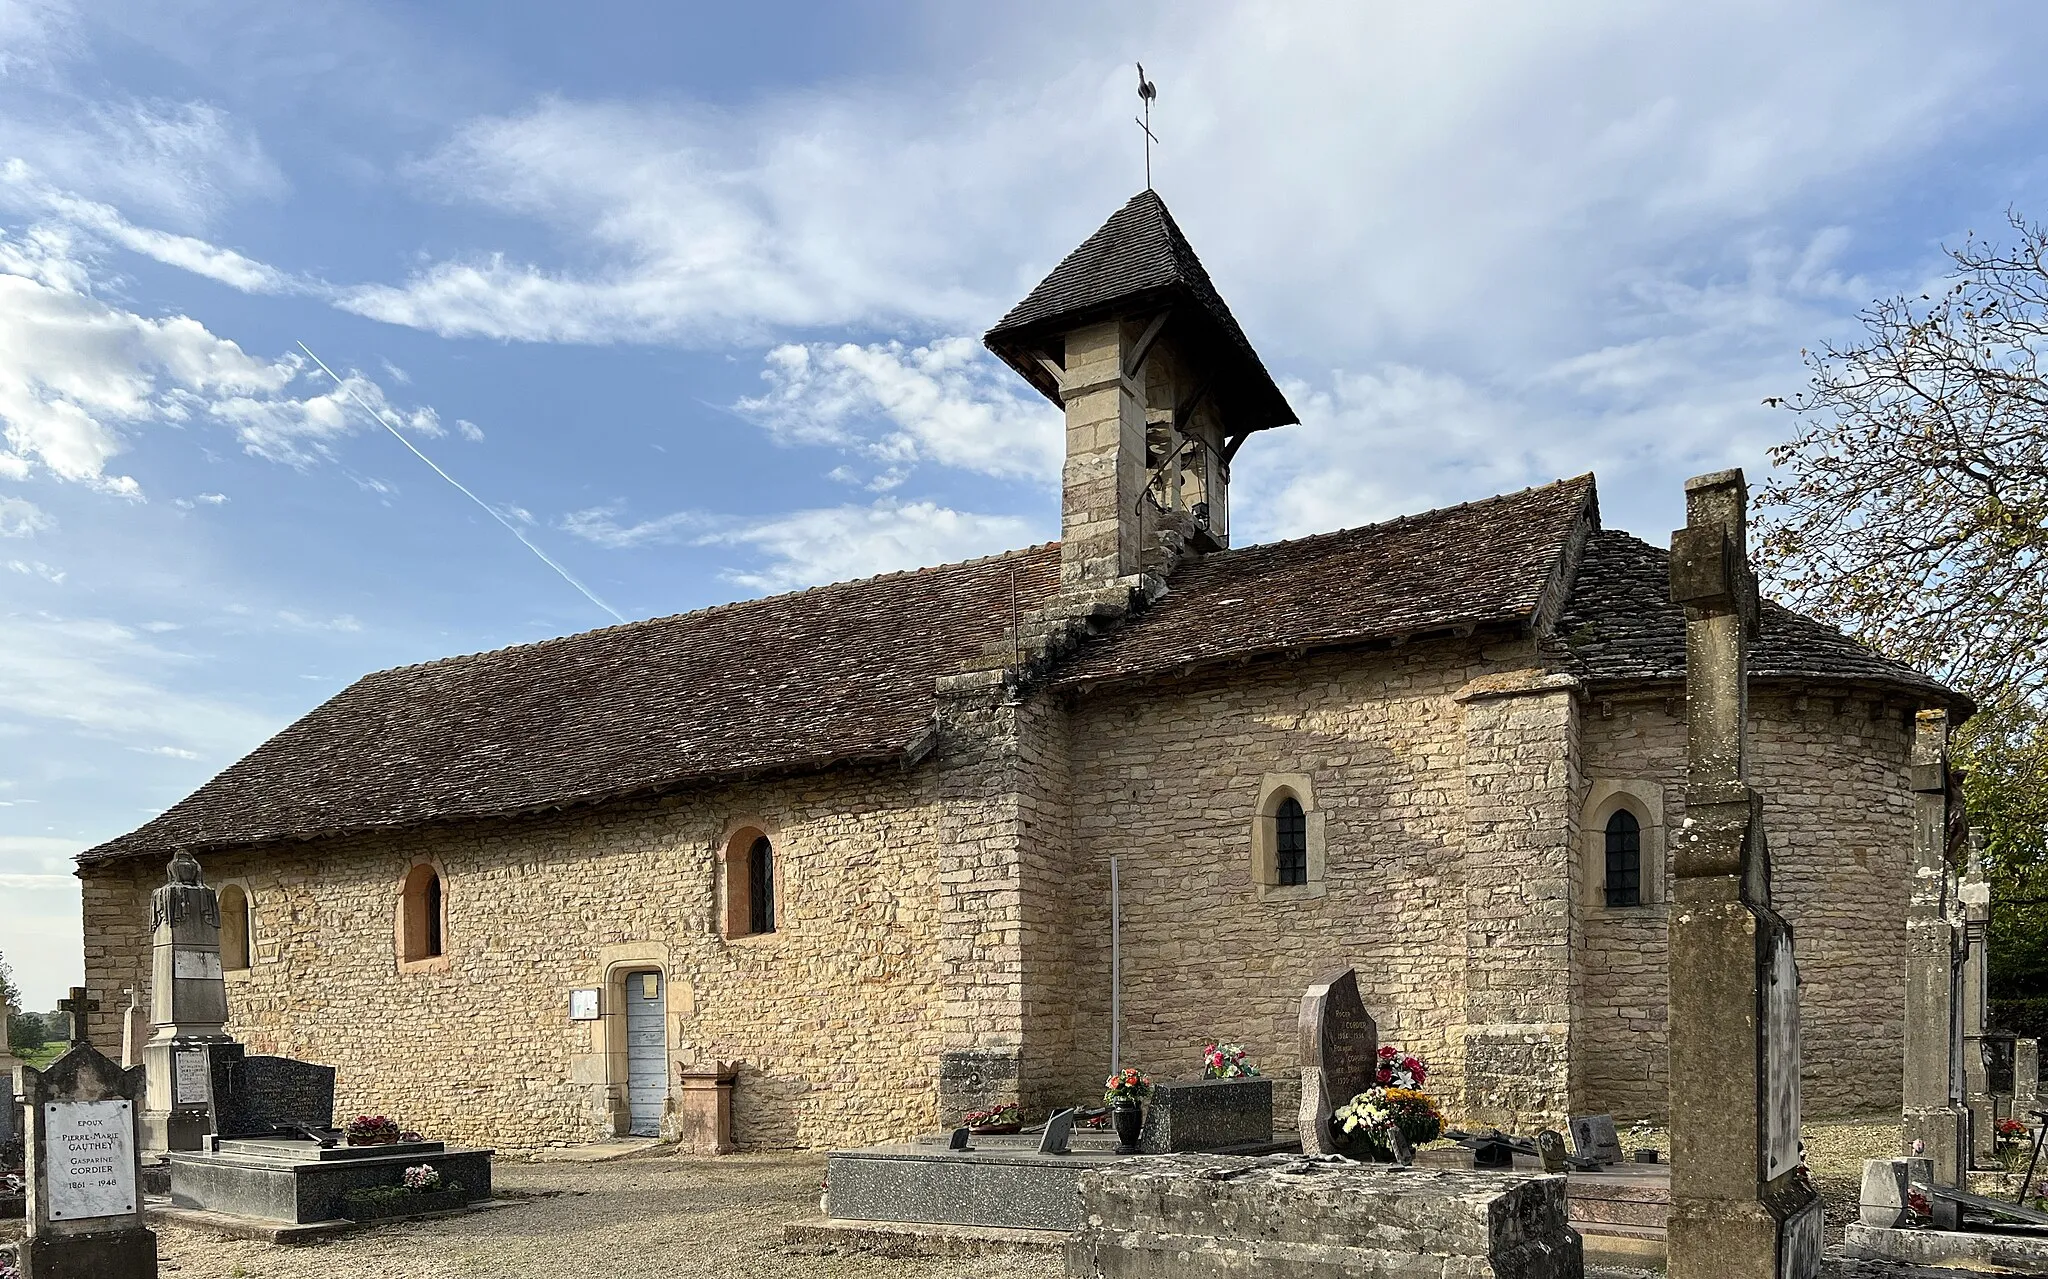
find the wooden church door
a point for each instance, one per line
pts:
(646, 1051)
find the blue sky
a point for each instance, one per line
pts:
(689, 295)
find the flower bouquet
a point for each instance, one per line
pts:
(373, 1130)
(1369, 1120)
(1125, 1091)
(1400, 1070)
(1226, 1061)
(2010, 1141)
(1008, 1117)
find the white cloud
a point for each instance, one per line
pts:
(36, 568)
(806, 548)
(76, 373)
(947, 402)
(469, 430)
(168, 752)
(103, 680)
(832, 544)
(20, 517)
(599, 524)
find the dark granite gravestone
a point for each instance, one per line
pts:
(1339, 1055)
(1208, 1114)
(1058, 1130)
(1595, 1137)
(257, 1096)
(84, 1166)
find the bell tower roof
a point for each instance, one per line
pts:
(1136, 262)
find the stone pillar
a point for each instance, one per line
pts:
(84, 1169)
(1974, 892)
(188, 1007)
(1739, 1209)
(2026, 1075)
(134, 1028)
(8, 1063)
(1935, 1124)
(1521, 827)
(704, 1110)
(1103, 484)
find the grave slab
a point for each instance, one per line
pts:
(1008, 1186)
(300, 1182)
(1219, 1215)
(1207, 1114)
(1958, 1250)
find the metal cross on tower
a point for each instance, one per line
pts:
(1146, 92)
(78, 1006)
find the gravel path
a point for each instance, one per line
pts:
(639, 1218)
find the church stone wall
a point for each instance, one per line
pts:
(1168, 777)
(1838, 817)
(836, 1016)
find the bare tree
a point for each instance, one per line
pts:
(1911, 508)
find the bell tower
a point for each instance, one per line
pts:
(1159, 385)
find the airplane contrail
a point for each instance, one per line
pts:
(490, 510)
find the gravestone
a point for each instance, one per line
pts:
(9, 1132)
(2026, 1075)
(1059, 1131)
(1550, 1145)
(1739, 1208)
(1886, 1185)
(259, 1096)
(84, 1166)
(1339, 1055)
(1208, 1114)
(188, 1006)
(1595, 1137)
(1975, 893)
(1935, 1122)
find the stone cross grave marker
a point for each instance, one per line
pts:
(1739, 1209)
(188, 1006)
(1339, 1055)
(1595, 1137)
(84, 1165)
(1936, 1125)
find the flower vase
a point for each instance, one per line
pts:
(1129, 1119)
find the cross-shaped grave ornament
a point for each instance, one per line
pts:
(78, 1006)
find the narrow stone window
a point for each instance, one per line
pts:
(1290, 842)
(234, 928)
(750, 884)
(761, 887)
(422, 916)
(1624, 859)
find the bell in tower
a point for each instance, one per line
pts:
(1159, 385)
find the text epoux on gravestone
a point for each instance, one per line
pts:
(89, 1147)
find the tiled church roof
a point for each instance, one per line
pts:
(1478, 564)
(1621, 626)
(1139, 259)
(846, 672)
(835, 674)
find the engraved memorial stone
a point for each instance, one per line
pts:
(1595, 1137)
(188, 1007)
(84, 1210)
(1339, 1055)
(1738, 1207)
(1550, 1144)
(1058, 1130)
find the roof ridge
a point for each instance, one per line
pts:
(711, 610)
(1399, 520)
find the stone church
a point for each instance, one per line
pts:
(859, 839)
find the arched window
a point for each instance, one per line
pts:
(1624, 859)
(1290, 842)
(749, 883)
(422, 915)
(761, 887)
(234, 928)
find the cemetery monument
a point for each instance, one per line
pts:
(1741, 1207)
(189, 1007)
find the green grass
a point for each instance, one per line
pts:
(41, 1058)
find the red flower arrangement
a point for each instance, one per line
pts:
(1400, 1070)
(373, 1130)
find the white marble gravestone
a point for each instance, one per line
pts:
(84, 1175)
